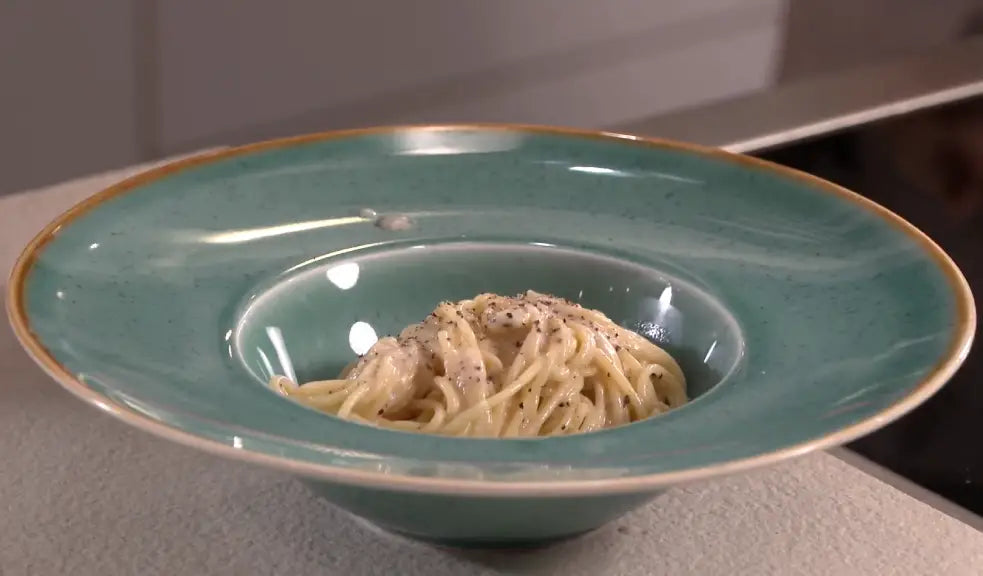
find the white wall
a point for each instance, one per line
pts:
(67, 95)
(233, 70)
(828, 35)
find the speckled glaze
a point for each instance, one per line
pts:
(804, 314)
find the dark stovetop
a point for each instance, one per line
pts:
(929, 169)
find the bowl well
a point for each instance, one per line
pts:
(313, 321)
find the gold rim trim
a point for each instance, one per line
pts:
(940, 374)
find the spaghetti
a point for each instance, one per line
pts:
(496, 366)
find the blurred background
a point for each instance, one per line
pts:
(93, 85)
(880, 95)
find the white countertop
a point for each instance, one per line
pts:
(81, 494)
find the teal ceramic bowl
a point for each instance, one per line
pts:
(803, 314)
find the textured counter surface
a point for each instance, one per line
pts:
(83, 494)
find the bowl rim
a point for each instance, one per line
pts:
(962, 334)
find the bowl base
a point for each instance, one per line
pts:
(464, 521)
(492, 543)
(503, 543)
